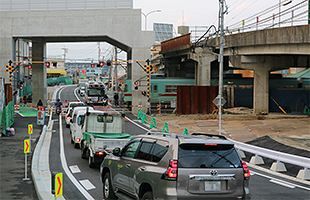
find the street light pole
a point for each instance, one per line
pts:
(145, 17)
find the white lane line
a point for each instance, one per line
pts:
(275, 179)
(87, 184)
(60, 91)
(75, 169)
(135, 123)
(65, 165)
(282, 184)
(75, 94)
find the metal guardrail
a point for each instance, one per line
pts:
(274, 155)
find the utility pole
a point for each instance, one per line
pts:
(221, 59)
(115, 70)
(65, 55)
(99, 51)
(308, 11)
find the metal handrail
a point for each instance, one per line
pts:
(274, 155)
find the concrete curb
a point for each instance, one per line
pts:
(40, 168)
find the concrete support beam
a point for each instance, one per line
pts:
(203, 69)
(6, 54)
(261, 90)
(39, 84)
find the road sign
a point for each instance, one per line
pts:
(58, 185)
(30, 129)
(216, 101)
(27, 146)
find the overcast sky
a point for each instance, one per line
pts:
(178, 12)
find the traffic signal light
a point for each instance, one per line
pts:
(47, 64)
(101, 64)
(93, 65)
(109, 62)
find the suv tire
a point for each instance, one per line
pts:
(147, 196)
(108, 192)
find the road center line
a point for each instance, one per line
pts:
(281, 183)
(65, 165)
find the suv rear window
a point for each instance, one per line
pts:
(208, 156)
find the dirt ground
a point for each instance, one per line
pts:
(292, 130)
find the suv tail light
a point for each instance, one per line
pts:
(246, 170)
(172, 171)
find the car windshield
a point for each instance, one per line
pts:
(208, 156)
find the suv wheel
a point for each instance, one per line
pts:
(108, 192)
(147, 196)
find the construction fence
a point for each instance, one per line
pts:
(7, 116)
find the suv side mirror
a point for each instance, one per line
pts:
(116, 151)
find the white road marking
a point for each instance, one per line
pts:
(75, 169)
(282, 183)
(65, 165)
(75, 94)
(87, 184)
(278, 180)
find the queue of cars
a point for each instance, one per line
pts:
(156, 165)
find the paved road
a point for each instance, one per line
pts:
(263, 186)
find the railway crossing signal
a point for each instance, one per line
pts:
(10, 70)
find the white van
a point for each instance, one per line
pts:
(75, 125)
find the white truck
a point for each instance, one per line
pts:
(76, 133)
(102, 132)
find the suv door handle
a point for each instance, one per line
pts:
(128, 165)
(142, 169)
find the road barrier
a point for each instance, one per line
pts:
(279, 157)
(259, 152)
(7, 116)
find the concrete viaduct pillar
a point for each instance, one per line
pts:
(39, 84)
(203, 70)
(261, 89)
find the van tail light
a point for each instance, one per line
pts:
(78, 140)
(246, 170)
(100, 153)
(172, 171)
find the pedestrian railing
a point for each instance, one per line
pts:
(280, 159)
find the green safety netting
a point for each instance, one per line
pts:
(62, 80)
(7, 116)
(26, 91)
(26, 111)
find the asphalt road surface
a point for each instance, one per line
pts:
(82, 182)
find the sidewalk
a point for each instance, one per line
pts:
(12, 164)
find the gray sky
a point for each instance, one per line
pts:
(179, 12)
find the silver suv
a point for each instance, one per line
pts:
(157, 166)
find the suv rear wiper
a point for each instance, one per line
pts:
(223, 157)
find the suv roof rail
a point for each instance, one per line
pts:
(162, 134)
(210, 135)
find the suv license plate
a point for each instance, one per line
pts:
(212, 185)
